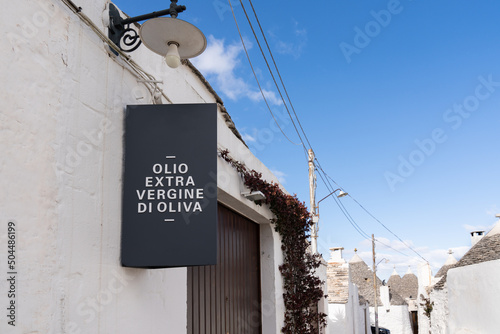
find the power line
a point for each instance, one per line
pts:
(394, 234)
(349, 217)
(352, 222)
(377, 220)
(256, 79)
(274, 80)
(327, 182)
(278, 72)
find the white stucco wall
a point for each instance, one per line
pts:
(61, 127)
(349, 318)
(323, 303)
(439, 314)
(473, 295)
(337, 319)
(425, 280)
(359, 315)
(385, 297)
(396, 319)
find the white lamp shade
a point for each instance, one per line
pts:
(342, 194)
(157, 33)
(172, 58)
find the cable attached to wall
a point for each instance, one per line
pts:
(137, 70)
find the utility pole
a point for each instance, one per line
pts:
(314, 217)
(375, 284)
(312, 196)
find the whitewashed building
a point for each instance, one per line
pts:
(347, 314)
(399, 311)
(466, 295)
(438, 295)
(63, 98)
(351, 298)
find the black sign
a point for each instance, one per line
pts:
(169, 214)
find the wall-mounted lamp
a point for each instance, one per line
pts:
(254, 195)
(169, 37)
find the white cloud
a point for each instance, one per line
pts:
(471, 228)
(248, 138)
(436, 257)
(493, 211)
(280, 175)
(294, 47)
(270, 96)
(220, 62)
(218, 59)
(386, 244)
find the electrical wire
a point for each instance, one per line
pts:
(377, 220)
(277, 70)
(352, 221)
(346, 213)
(150, 78)
(256, 79)
(394, 234)
(135, 68)
(271, 72)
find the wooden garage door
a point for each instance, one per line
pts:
(225, 298)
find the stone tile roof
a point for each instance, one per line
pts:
(399, 288)
(394, 284)
(444, 269)
(450, 263)
(402, 288)
(338, 282)
(409, 286)
(487, 249)
(395, 298)
(440, 284)
(362, 276)
(394, 280)
(220, 103)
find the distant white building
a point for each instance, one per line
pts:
(439, 296)
(473, 288)
(399, 313)
(466, 294)
(347, 312)
(351, 291)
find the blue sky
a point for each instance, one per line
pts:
(399, 99)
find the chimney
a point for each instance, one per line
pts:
(336, 254)
(476, 236)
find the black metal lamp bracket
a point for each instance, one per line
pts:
(120, 33)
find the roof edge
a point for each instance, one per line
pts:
(225, 114)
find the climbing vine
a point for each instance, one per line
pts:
(303, 288)
(428, 306)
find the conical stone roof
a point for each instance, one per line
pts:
(450, 263)
(409, 285)
(362, 276)
(486, 249)
(394, 284)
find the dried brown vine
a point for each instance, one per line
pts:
(303, 288)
